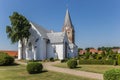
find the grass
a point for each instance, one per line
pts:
(91, 68)
(18, 72)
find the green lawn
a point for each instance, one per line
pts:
(19, 72)
(90, 68)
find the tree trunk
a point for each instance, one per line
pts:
(22, 49)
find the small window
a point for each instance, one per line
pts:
(68, 32)
(37, 40)
(48, 41)
(30, 46)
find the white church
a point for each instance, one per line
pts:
(44, 44)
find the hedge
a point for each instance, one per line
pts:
(5, 59)
(118, 59)
(113, 74)
(34, 67)
(94, 61)
(51, 59)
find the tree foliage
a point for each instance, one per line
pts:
(79, 49)
(5, 59)
(19, 28)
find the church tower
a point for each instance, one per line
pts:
(68, 27)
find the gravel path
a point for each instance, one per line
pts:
(49, 66)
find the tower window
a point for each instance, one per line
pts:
(68, 32)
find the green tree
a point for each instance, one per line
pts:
(79, 49)
(103, 54)
(105, 48)
(94, 56)
(19, 29)
(87, 55)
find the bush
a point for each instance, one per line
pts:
(90, 61)
(72, 64)
(87, 55)
(108, 62)
(113, 74)
(118, 57)
(113, 56)
(99, 56)
(5, 59)
(94, 56)
(51, 59)
(94, 61)
(34, 67)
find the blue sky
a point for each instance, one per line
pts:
(96, 22)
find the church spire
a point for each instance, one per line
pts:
(68, 27)
(67, 21)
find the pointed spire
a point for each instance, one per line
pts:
(68, 22)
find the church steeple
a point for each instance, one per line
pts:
(68, 22)
(68, 27)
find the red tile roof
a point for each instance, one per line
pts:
(11, 53)
(93, 50)
(82, 51)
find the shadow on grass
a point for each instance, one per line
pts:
(14, 64)
(44, 71)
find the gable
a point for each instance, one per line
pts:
(43, 32)
(56, 37)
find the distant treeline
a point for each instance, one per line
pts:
(100, 48)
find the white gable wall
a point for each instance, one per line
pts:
(55, 51)
(59, 51)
